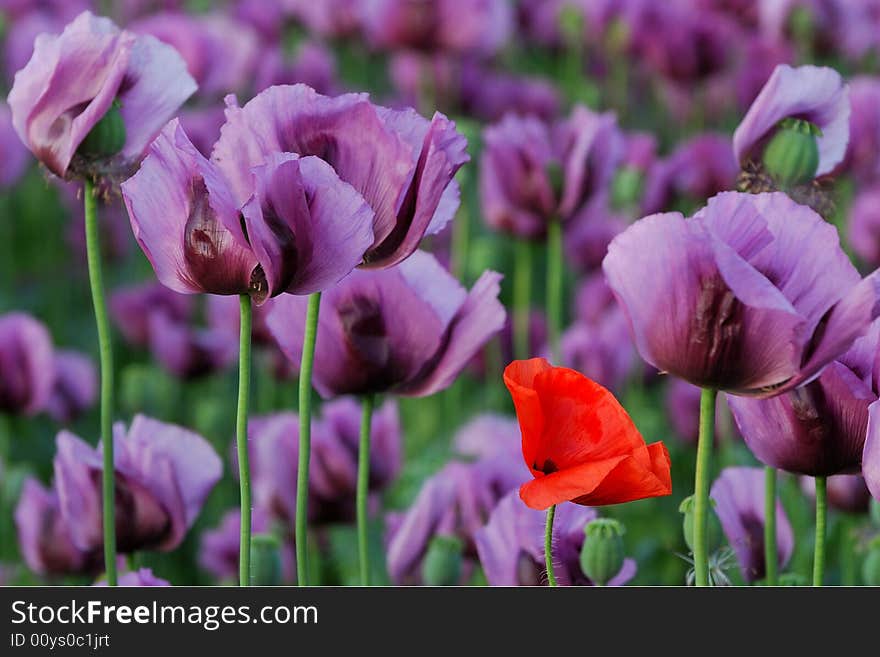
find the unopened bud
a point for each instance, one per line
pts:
(266, 560)
(713, 527)
(107, 136)
(602, 552)
(792, 156)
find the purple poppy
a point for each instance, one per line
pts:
(588, 235)
(738, 494)
(601, 350)
(489, 436)
(409, 330)
(73, 80)
(511, 545)
(15, 155)
(456, 501)
(139, 577)
(696, 170)
(75, 389)
(313, 65)
(26, 364)
(300, 230)
(189, 352)
(751, 295)
(814, 93)
(863, 150)
(164, 474)
(44, 536)
(400, 165)
(532, 173)
(220, 52)
(863, 229)
(335, 453)
(219, 547)
(328, 18)
(845, 492)
(132, 306)
(488, 95)
(828, 426)
(274, 446)
(479, 27)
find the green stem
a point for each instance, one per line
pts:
(522, 293)
(548, 546)
(363, 483)
(701, 485)
(305, 439)
(96, 280)
(771, 558)
(554, 288)
(241, 437)
(821, 517)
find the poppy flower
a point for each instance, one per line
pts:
(26, 364)
(395, 162)
(300, 230)
(752, 295)
(90, 70)
(579, 442)
(739, 502)
(827, 427)
(408, 330)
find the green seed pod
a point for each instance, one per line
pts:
(713, 526)
(871, 565)
(626, 188)
(107, 137)
(602, 551)
(571, 24)
(442, 564)
(792, 156)
(266, 560)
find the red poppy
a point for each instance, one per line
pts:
(579, 442)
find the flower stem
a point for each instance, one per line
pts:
(771, 558)
(701, 486)
(522, 293)
(96, 280)
(821, 516)
(363, 483)
(305, 439)
(554, 289)
(241, 437)
(548, 546)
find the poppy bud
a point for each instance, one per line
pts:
(871, 566)
(713, 526)
(792, 156)
(626, 188)
(265, 560)
(602, 551)
(107, 137)
(571, 24)
(442, 564)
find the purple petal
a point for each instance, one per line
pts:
(307, 228)
(871, 453)
(817, 94)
